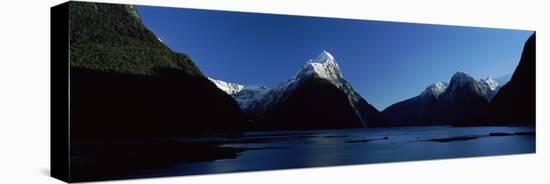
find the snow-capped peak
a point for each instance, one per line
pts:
(461, 82)
(493, 84)
(323, 57)
(260, 100)
(229, 88)
(324, 66)
(234, 88)
(436, 89)
(244, 95)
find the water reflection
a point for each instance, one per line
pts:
(297, 149)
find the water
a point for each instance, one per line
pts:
(297, 149)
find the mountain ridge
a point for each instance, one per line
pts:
(258, 102)
(442, 103)
(123, 79)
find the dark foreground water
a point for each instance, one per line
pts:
(296, 149)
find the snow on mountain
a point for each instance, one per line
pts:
(461, 98)
(245, 95)
(249, 96)
(229, 88)
(435, 89)
(259, 100)
(324, 66)
(462, 81)
(493, 84)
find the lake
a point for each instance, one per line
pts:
(313, 148)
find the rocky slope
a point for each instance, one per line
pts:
(125, 83)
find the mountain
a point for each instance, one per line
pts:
(420, 110)
(229, 88)
(515, 103)
(243, 94)
(317, 97)
(463, 84)
(465, 98)
(493, 87)
(443, 103)
(125, 83)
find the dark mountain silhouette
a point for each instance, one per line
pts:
(420, 110)
(515, 103)
(465, 101)
(125, 83)
(462, 100)
(314, 104)
(368, 112)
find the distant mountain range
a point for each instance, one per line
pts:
(316, 97)
(507, 100)
(464, 98)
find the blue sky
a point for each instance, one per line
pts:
(386, 62)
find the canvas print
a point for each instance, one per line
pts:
(158, 91)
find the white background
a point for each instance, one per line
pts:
(25, 91)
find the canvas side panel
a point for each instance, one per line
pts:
(60, 143)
